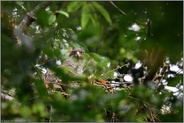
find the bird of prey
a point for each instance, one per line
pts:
(75, 61)
(74, 64)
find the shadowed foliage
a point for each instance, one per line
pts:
(107, 61)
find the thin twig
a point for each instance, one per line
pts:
(119, 67)
(117, 8)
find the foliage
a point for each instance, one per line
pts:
(115, 36)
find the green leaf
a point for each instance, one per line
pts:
(39, 109)
(74, 6)
(51, 19)
(40, 87)
(19, 3)
(110, 74)
(174, 81)
(63, 13)
(42, 18)
(25, 111)
(62, 73)
(101, 62)
(85, 16)
(102, 11)
(94, 17)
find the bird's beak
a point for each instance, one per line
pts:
(78, 54)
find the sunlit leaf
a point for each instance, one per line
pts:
(39, 109)
(19, 3)
(26, 111)
(85, 16)
(51, 19)
(102, 11)
(63, 13)
(74, 6)
(94, 17)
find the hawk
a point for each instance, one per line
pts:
(75, 61)
(74, 64)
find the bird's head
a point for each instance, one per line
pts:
(77, 53)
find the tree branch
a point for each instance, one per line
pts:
(19, 30)
(30, 17)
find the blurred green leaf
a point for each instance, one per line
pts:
(42, 18)
(102, 11)
(74, 6)
(110, 75)
(19, 3)
(39, 109)
(51, 19)
(85, 15)
(174, 81)
(63, 13)
(26, 111)
(94, 17)
(41, 88)
(104, 33)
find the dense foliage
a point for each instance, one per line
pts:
(116, 37)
